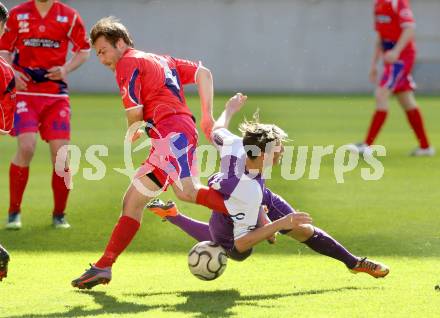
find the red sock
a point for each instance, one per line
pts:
(416, 121)
(18, 177)
(212, 199)
(60, 192)
(122, 235)
(375, 126)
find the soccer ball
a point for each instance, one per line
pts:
(207, 260)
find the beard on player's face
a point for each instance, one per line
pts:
(108, 54)
(110, 60)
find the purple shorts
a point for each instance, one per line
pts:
(221, 229)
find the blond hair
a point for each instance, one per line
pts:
(256, 134)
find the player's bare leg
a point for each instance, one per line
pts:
(128, 224)
(302, 233)
(18, 176)
(382, 95)
(408, 103)
(188, 190)
(27, 143)
(191, 190)
(60, 182)
(407, 100)
(134, 201)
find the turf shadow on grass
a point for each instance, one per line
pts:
(218, 303)
(204, 303)
(108, 305)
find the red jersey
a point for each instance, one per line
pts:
(155, 83)
(41, 43)
(7, 96)
(391, 17)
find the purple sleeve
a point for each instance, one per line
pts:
(276, 205)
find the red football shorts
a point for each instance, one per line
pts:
(45, 114)
(173, 146)
(397, 76)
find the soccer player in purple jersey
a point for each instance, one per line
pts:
(243, 162)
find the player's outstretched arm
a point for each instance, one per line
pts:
(232, 106)
(205, 86)
(288, 222)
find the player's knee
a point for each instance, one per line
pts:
(407, 104)
(128, 201)
(307, 231)
(124, 203)
(60, 162)
(302, 233)
(133, 205)
(408, 107)
(27, 150)
(127, 204)
(382, 95)
(132, 211)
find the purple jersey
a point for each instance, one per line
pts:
(236, 184)
(221, 227)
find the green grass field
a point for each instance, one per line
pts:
(395, 220)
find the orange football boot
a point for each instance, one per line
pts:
(162, 209)
(373, 268)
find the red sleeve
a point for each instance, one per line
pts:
(406, 16)
(7, 41)
(128, 79)
(7, 106)
(78, 35)
(187, 71)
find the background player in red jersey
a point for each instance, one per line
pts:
(395, 26)
(151, 86)
(7, 108)
(7, 86)
(7, 93)
(36, 42)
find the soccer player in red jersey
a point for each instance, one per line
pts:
(151, 86)
(36, 42)
(7, 89)
(7, 108)
(395, 26)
